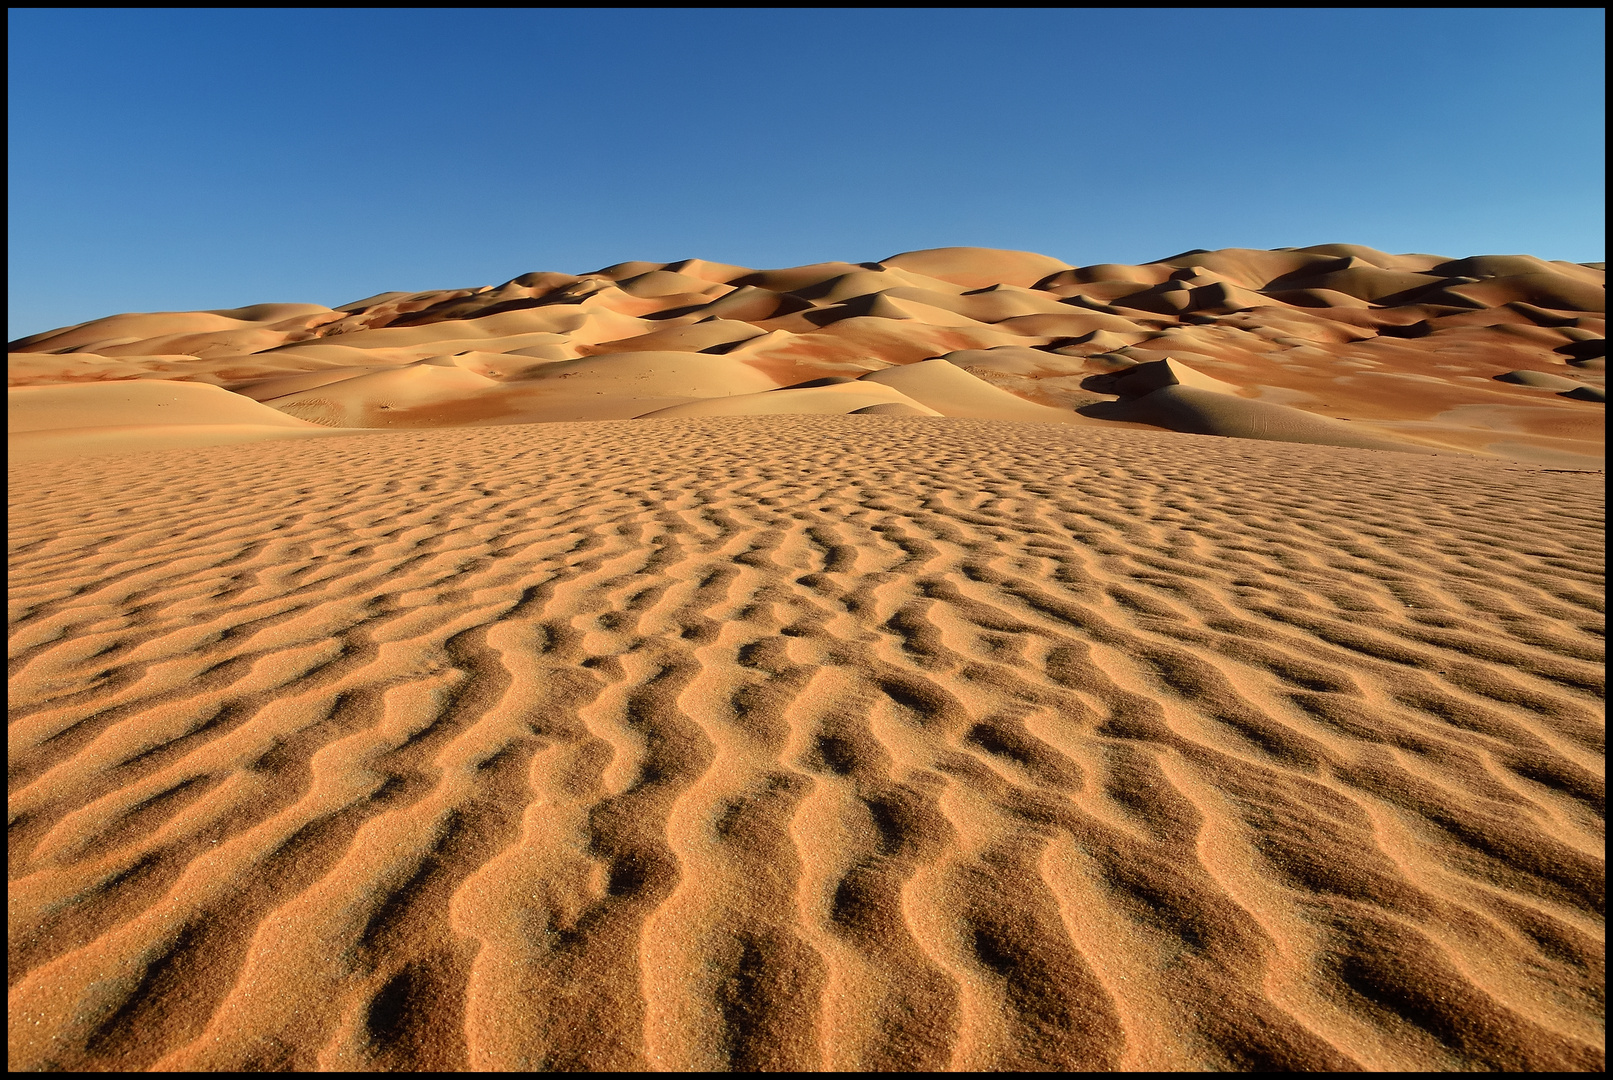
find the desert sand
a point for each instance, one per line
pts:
(965, 661)
(1497, 355)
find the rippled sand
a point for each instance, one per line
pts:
(853, 742)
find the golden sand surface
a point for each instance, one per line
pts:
(825, 741)
(960, 661)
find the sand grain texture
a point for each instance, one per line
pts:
(765, 742)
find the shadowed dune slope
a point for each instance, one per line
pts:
(825, 742)
(1197, 411)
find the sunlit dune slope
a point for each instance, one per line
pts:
(69, 419)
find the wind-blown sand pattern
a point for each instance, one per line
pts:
(804, 742)
(852, 666)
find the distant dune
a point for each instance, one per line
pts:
(966, 661)
(1492, 355)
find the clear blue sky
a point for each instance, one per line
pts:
(186, 159)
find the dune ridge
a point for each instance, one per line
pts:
(832, 741)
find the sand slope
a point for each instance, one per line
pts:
(832, 742)
(40, 408)
(1414, 346)
(70, 420)
(842, 399)
(951, 391)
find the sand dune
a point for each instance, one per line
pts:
(962, 661)
(951, 391)
(288, 385)
(839, 742)
(1544, 380)
(356, 402)
(1197, 411)
(978, 268)
(850, 397)
(1344, 334)
(46, 422)
(37, 408)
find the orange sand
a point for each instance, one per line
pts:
(1498, 355)
(926, 723)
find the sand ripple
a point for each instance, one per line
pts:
(804, 742)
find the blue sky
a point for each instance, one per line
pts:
(192, 159)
